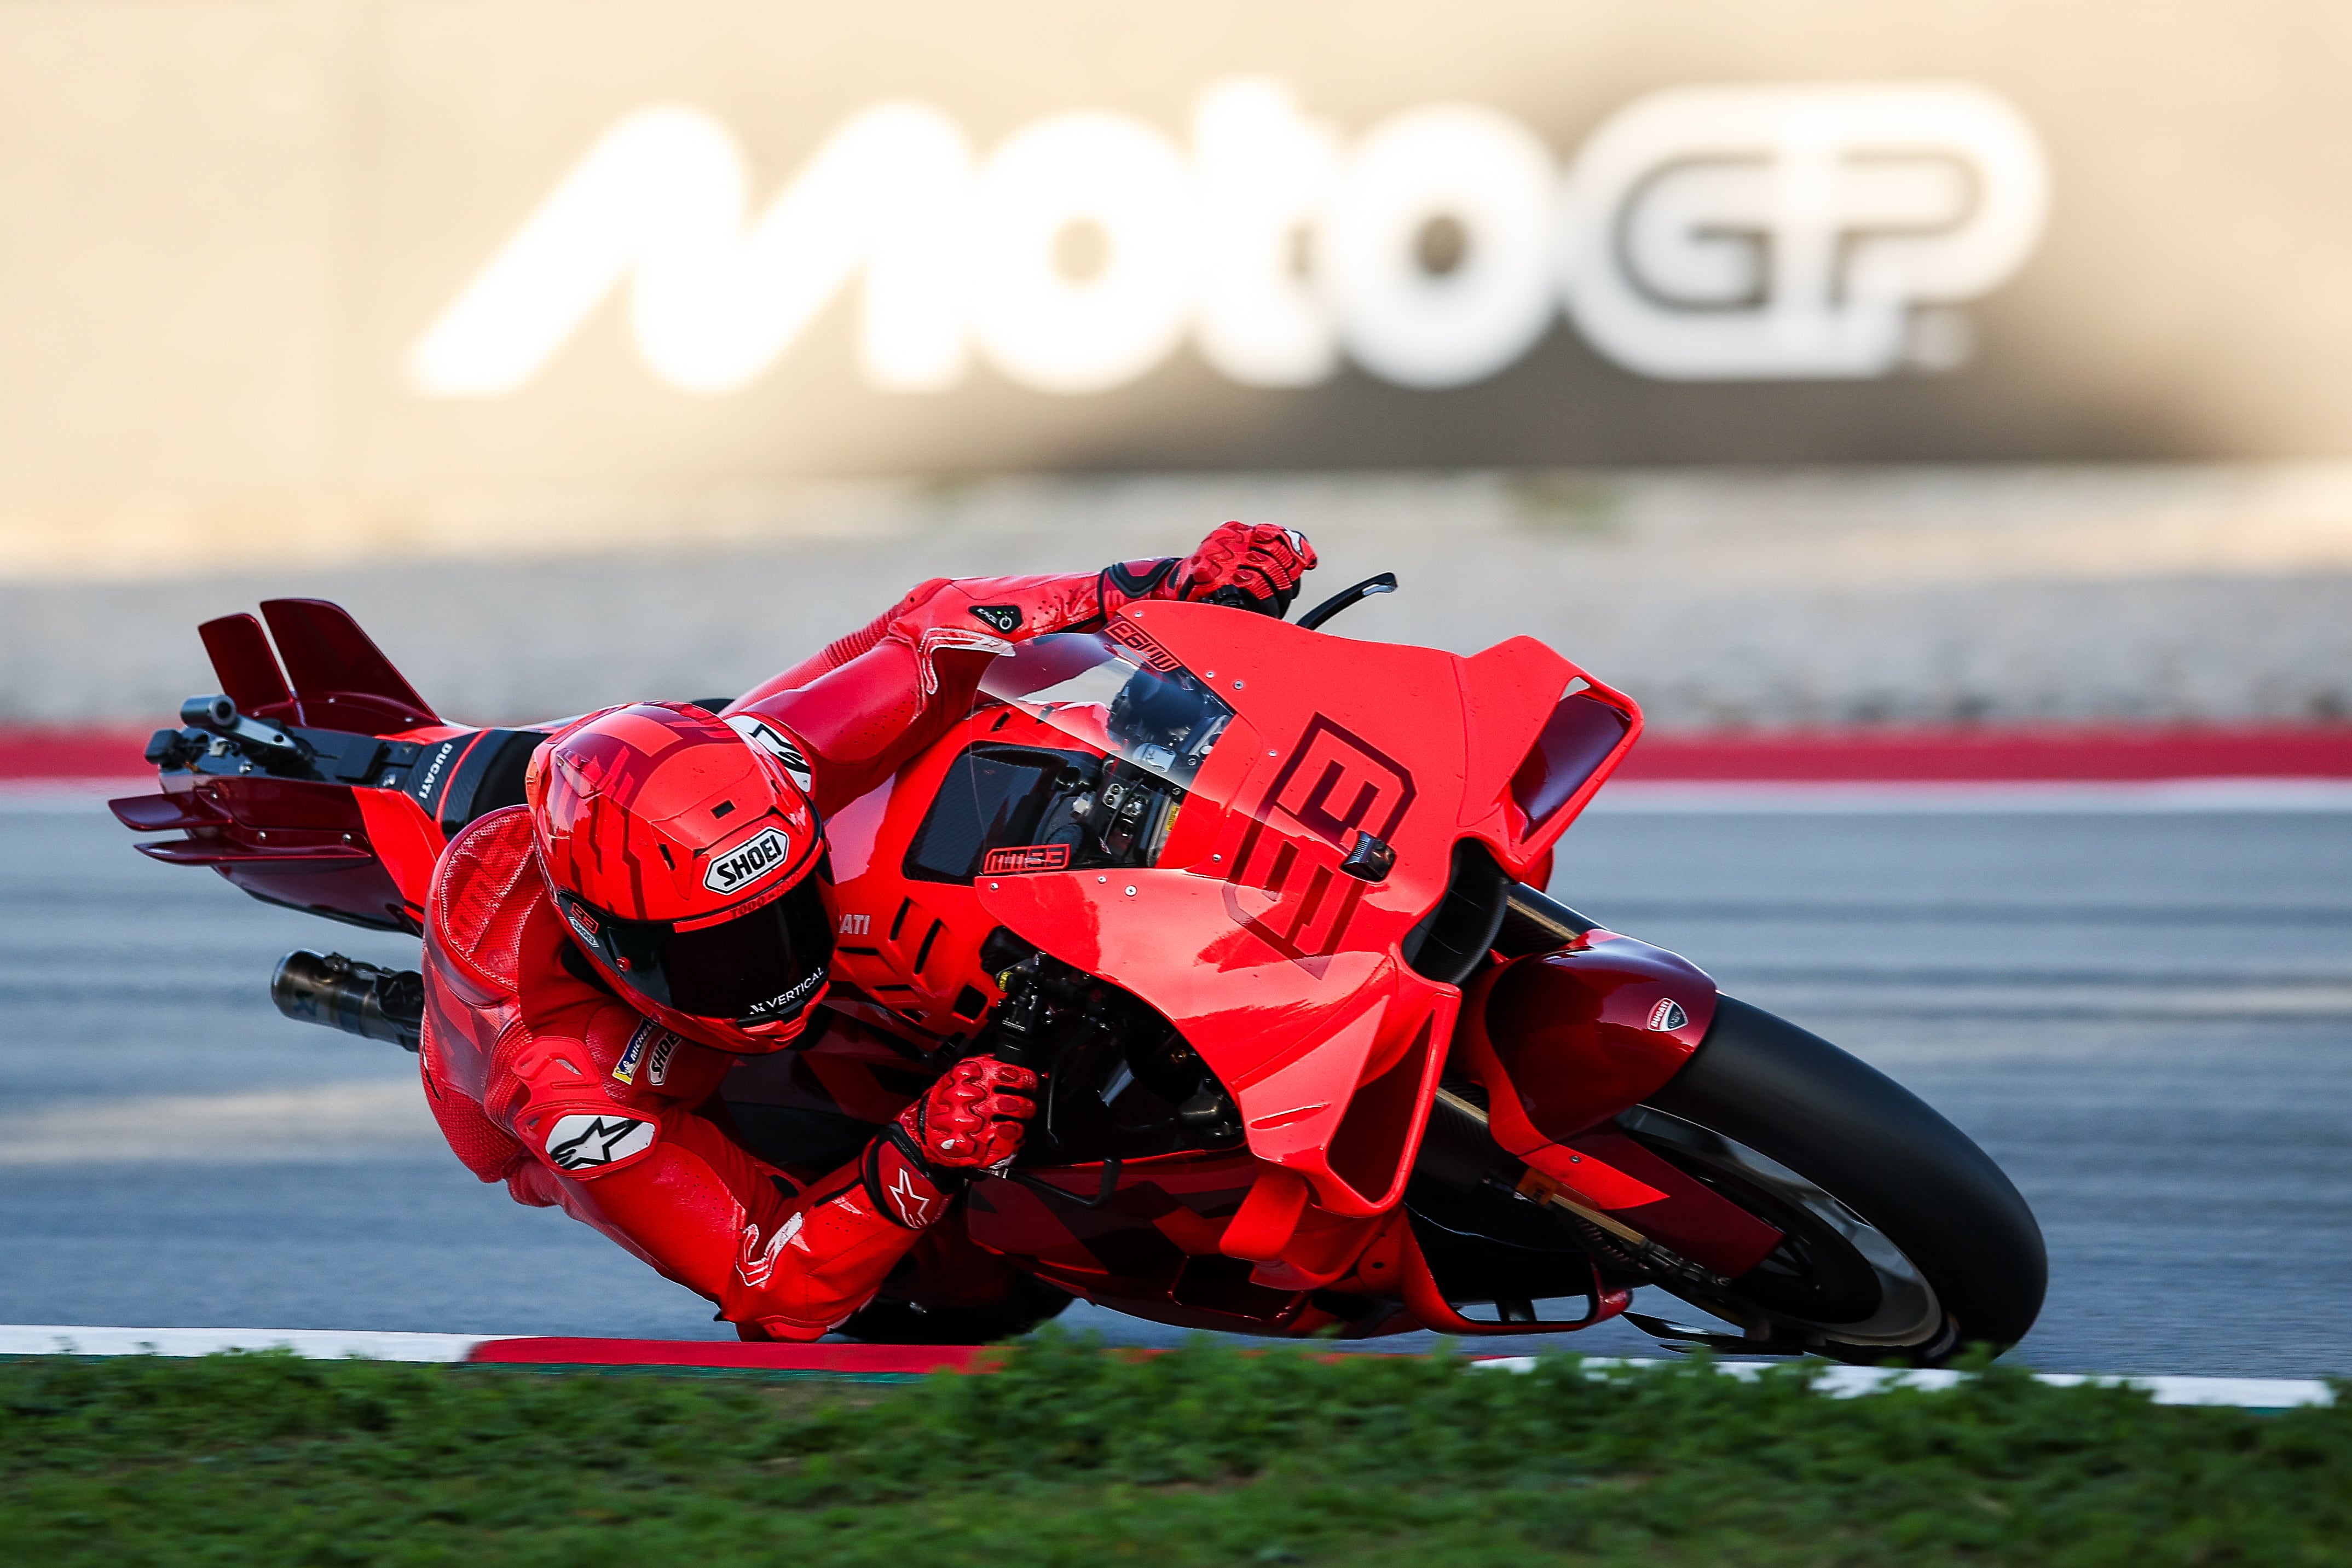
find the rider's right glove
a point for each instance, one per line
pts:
(967, 1122)
(1255, 566)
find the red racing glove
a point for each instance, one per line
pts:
(1256, 565)
(967, 1122)
(971, 1119)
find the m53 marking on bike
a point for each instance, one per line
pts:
(1335, 785)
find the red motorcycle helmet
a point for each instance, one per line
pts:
(688, 863)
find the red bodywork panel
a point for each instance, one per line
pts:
(289, 842)
(354, 852)
(1563, 1043)
(1581, 1034)
(1285, 973)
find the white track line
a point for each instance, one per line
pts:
(1848, 1382)
(364, 1119)
(1839, 1382)
(311, 1344)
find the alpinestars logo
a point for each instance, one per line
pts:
(774, 742)
(749, 862)
(914, 1207)
(1668, 1016)
(755, 1264)
(586, 1142)
(1005, 618)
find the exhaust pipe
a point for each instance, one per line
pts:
(364, 1000)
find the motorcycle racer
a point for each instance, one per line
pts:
(599, 959)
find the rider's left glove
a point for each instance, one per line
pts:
(971, 1118)
(967, 1123)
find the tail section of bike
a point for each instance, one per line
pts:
(317, 778)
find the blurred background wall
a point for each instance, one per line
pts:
(1784, 361)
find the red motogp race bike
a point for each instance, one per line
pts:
(1266, 908)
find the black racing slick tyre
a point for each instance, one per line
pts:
(1904, 1243)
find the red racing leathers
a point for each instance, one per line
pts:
(542, 1077)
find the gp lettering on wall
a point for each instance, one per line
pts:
(1701, 233)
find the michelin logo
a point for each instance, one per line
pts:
(749, 862)
(1710, 233)
(664, 1044)
(626, 1070)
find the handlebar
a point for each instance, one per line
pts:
(1385, 582)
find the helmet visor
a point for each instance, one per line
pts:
(759, 967)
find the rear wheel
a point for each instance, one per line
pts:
(1904, 1243)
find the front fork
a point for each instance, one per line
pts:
(1576, 1025)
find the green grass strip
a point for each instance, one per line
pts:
(1204, 1457)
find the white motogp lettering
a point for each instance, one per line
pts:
(1702, 233)
(660, 201)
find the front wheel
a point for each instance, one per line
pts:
(1904, 1243)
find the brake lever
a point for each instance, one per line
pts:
(1385, 582)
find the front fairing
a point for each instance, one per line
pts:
(1285, 972)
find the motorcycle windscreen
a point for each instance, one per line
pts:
(1153, 728)
(1136, 704)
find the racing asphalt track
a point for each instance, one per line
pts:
(2144, 1016)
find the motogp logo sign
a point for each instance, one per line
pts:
(1708, 232)
(1751, 231)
